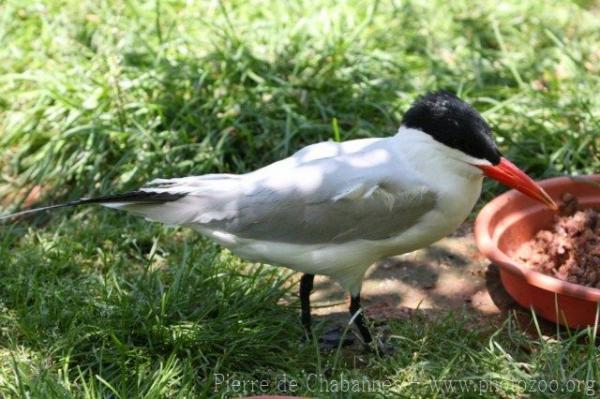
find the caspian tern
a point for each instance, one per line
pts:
(336, 208)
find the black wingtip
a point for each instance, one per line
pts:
(26, 212)
(139, 197)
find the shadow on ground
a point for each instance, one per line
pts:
(449, 275)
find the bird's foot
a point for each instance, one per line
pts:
(308, 336)
(381, 345)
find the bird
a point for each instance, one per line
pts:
(335, 208)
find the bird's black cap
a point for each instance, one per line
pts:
(454, 123)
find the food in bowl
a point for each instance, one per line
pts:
(570, 250)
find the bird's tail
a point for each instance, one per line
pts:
(133, 201)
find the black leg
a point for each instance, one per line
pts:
(306, 286)
(359, 321)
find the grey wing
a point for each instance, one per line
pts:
(374, 211)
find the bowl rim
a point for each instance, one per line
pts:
(487, 246)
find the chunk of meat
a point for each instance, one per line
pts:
(570, 250)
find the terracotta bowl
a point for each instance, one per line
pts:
(511, 219)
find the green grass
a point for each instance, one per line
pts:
(98, 97)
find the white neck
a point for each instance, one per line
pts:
(450, 172)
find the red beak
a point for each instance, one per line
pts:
(508, 174)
